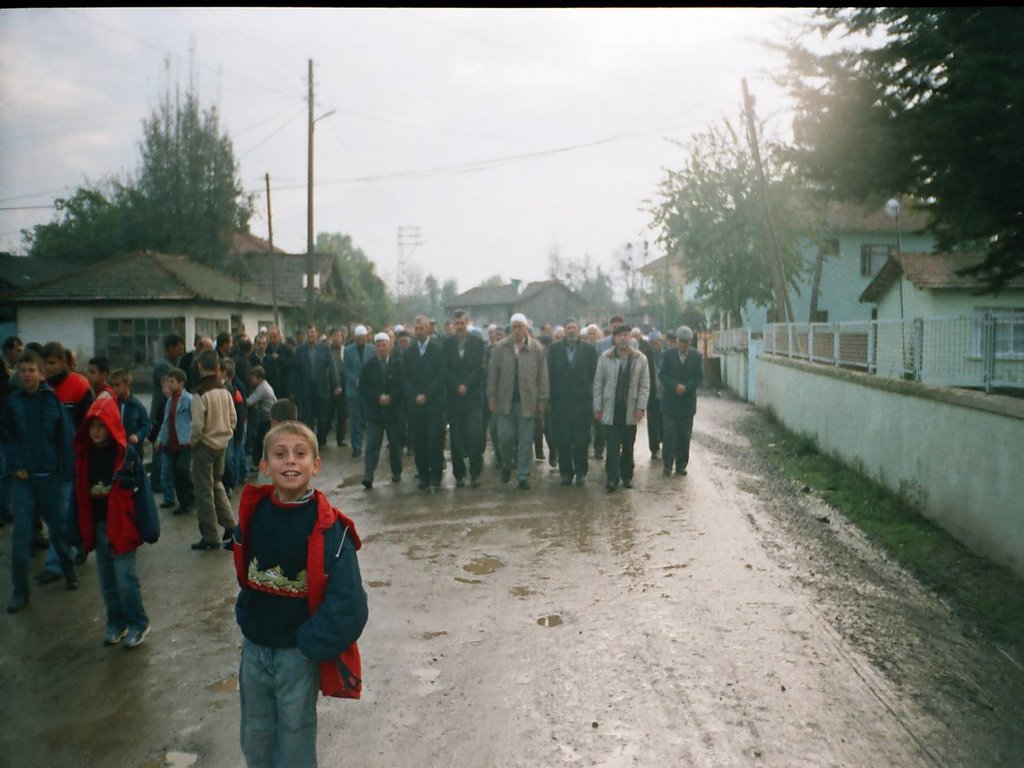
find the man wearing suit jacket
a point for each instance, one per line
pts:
(571, 368)
(464, 363)
(315, 383)
(682, 372)
(382, 386)
(425, 392)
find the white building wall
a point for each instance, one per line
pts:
(956, 456)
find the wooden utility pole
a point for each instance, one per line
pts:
(778, 274)
(273, 259)
(310, 295)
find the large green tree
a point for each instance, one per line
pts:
(185, 198)
(924, 101)
(710, 211)
(358, 294)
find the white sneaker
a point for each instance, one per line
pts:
(135, 638)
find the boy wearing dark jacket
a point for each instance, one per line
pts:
(113, 513)
(301, 607)
(134, 417)
(35, 434)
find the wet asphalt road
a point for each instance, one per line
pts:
(674, 624)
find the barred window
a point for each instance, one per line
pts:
(1008, 329)
(208, 326)
(128, 342)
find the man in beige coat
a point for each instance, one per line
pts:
(622, 385)
(517, 391)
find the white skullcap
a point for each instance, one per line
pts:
(381, 337)
(519, 317)
(360, 330)
(399, 328)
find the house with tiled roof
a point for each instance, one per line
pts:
(957, 313)
(544, 301)
(122, 308)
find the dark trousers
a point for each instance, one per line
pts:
(181, 469)
(598, 439)
(467, 440)
(678, 429)
(313, 413)
(375, 438)
(427, 427)
(257, 442)
(618, 462)
(570, 428)
(337, 415)
(654, 431)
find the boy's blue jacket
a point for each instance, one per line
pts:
(36, 434)
(337, 600)
(134, 418)
(182, 421)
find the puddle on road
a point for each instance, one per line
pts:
(481, 566)
(227, 685)
(172, 760)
(376, 584)
(462, 580)
(523, 592)
(432, 635)
(551, 621)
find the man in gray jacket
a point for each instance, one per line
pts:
(517, 391)
(622, 385)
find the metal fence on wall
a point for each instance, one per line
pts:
(977, 352)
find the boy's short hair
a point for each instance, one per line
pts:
(121, 374)
(11, 342)
(177, 374)
(291, 427)
(31, 356)
(284, 410)
(259, 372)
(172, 340)
(208, 361)
(102, 364)
(53, 350)
(229, 365)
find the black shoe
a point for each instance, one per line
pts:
(552, 459)
(40, 544)
(610, 486)
(228, 546)
(367, 483)
(474, 482)
(666, 471)
(183, 510)
(203, 544)
(47, 577)
(681, 471)
(567, 480)
(524, 485)
(356, 453)
(16, 604)
(71, 581)
(166, 504)
(627, 483)
(229, 534)
(81, 557)
(424, 485)
(580, 479)
(396, 478)
(506, 474)
(598, 455)
(460, 483)
(540, 455)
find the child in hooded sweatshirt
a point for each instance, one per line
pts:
(113, 513)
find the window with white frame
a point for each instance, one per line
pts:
(873, 258)
(1007, 332)
(128, 342)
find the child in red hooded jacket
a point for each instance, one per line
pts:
(113, 513)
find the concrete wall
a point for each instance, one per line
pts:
(955, 455)
(735, 371)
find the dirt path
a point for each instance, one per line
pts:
(711, 620)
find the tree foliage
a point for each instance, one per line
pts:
(591, 281)
(928, 102)
(710, 211)
(359, 295)
(186, 198)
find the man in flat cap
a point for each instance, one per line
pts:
(682, 372)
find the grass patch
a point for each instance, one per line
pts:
(988, 595)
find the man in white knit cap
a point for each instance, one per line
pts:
(357, 354)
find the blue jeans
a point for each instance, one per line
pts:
(356, 421)
(51, 495)
(119, 585)
(278, 689)
(512, 429)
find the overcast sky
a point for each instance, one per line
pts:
(501, 134)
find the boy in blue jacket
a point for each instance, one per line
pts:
(173, 442)
(133, 413)
(301, 607)
(35, 433)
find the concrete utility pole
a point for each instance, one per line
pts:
(778, 274)
(273, 259)
(310, 267)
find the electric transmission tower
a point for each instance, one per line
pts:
(408, 237)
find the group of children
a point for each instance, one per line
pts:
(301, 605)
